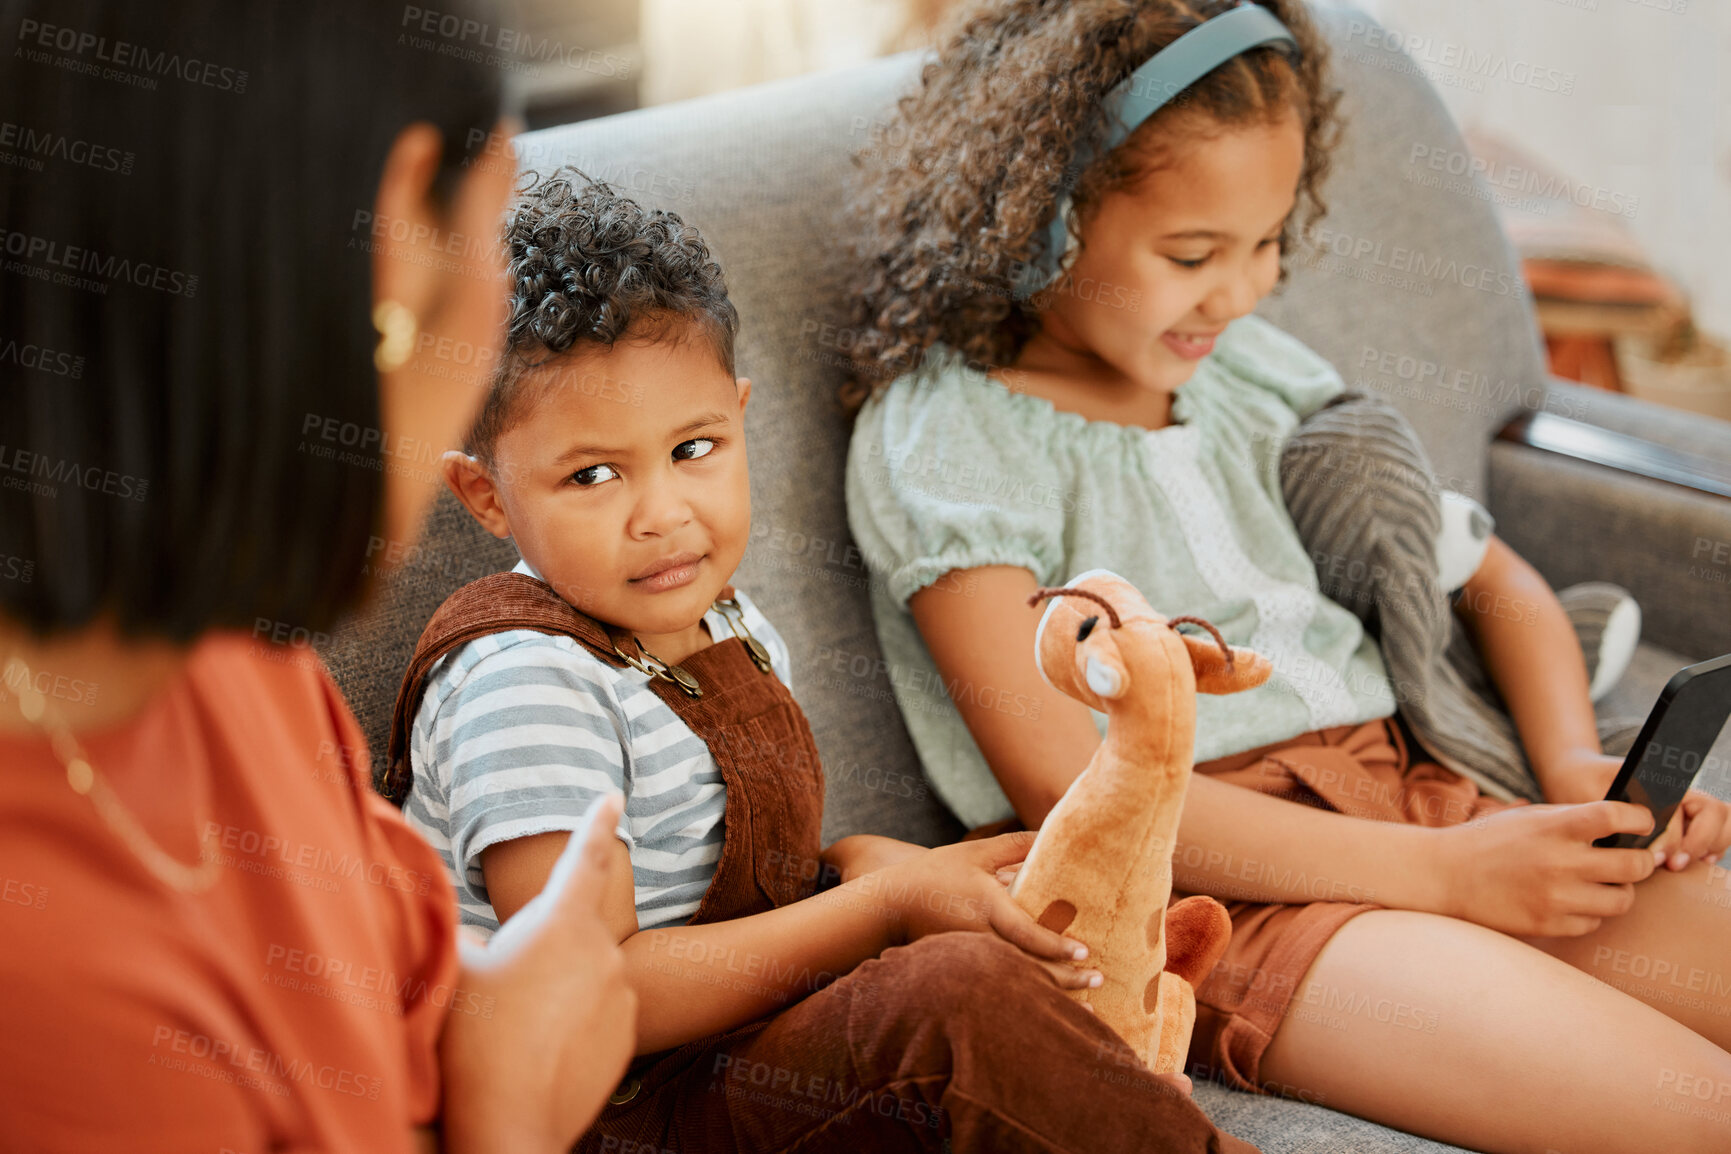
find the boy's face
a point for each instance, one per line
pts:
(624, 481)
(1165, 265)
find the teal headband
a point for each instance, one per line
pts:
(1163, 76)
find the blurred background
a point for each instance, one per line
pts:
(1600, 129)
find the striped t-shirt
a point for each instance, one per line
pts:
(519, 732)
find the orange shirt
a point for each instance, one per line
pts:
(296, 1005)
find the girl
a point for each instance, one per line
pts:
(1433, 970)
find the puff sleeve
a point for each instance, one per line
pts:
(948, 469)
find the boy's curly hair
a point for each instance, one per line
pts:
(590, 266)
(957, 197)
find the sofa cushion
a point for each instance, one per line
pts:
(1288, 1126)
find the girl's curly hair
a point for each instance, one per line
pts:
(958, 187)
(590, 266)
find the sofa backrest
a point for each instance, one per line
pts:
(1409, 298)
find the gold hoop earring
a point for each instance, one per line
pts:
(397, 332)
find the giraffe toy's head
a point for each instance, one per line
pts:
(1100, 642)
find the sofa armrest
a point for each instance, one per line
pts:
(1690, 433)
(1624, 491)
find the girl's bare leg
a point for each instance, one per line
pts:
(1450, 1030)
(1672, 950)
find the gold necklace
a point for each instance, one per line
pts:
(83, 778)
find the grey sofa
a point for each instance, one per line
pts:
(757, 172)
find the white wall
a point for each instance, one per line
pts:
(694, 47)
(1649, 114)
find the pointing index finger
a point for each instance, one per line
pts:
(585, 854)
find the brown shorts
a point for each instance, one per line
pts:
(1363, 770)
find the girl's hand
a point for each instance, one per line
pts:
(864, 853)
(956, 887)
(558, 1020)
(1533, 871)
(1700, 829)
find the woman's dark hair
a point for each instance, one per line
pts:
(588, 267)
(189, 425)
(955, 201)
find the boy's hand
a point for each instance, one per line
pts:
(1699, 830)
(956, 887)
(864, 853)
(1179, 1082)
(1533, 871)
(530, 1072)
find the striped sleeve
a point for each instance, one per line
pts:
(531, 737)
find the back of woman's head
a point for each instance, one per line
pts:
(958, 187)
(186, 228)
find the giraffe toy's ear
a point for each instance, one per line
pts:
(1249, 668)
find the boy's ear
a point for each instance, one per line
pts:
(744, 384)
(474, 487)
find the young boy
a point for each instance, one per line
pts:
(620, 475)
(616, 656)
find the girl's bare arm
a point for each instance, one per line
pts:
(1531, 652)
(1234, 843)
(1527, 870)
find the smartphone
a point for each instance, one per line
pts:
(1674, 744)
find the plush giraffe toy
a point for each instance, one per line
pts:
(1101, 867)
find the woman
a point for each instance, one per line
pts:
(214, 936)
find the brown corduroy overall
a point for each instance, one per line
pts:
(956, 1041)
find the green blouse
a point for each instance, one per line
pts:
(949, 469)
